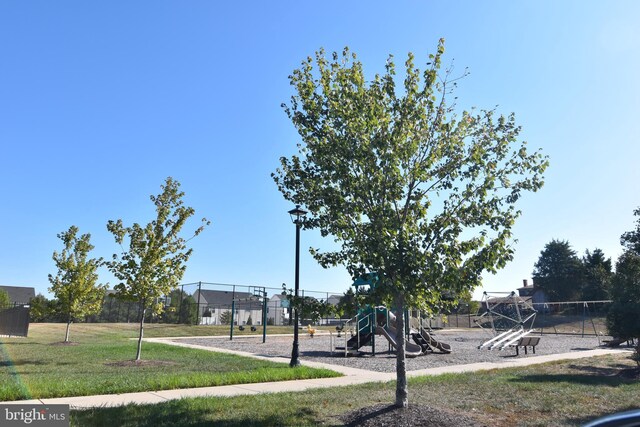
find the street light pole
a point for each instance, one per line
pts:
(296, 216)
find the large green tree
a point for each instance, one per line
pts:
(631, 239)
(348, 305)
(597, 274)
(40, 310)
(622, 319)
(156, 258)
(182, 308)
(409, 189)
(75, 285)
(558, 271)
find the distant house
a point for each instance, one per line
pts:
(19, 294)
(212, 304)
(532, 293)
(278, 307)
(334, 299)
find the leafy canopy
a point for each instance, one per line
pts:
(4, 299)
(558, 271)
(597, 275)
(155, 260)
(75, 285)
(622, 319)
(408, 188)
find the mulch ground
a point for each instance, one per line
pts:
(384, 415)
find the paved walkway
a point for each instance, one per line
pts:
(351, 376)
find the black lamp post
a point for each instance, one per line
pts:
(296, 217)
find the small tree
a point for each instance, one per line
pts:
(155, 261)
(225, 317)
(308, 307)
(4, 299)
(250, 321)
(75, 284)
(558, 271)
(411, 191)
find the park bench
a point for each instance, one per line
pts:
(526, 342)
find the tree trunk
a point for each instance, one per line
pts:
(141, 334)
(66, 334)
(402, 388)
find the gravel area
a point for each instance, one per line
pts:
(464, 344)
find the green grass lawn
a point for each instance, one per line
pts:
(559, 394)
(38, 367)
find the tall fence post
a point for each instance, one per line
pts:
(264, 316)
(180, 315)
(198, 309)
(233, 312)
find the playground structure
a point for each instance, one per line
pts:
(370, 322)
(509, 318)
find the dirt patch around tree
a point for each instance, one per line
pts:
(630, 374)
(384, 415)
(127, 363)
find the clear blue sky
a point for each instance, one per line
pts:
(100, 101)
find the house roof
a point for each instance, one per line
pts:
(19, 294)
(334, 299)
(508, 300)
(225, 298)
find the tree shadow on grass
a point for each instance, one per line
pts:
(582, 379)
(610, 370)
(176, 413)
(9, 363)
(12, 343)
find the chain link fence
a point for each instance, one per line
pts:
(585, 318)
(205, 303)
(14, 320)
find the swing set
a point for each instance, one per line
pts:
(259, 294)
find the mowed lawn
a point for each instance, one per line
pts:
(567, 393)
(97, 363)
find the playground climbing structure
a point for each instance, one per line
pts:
(370, 322)
(507, 316)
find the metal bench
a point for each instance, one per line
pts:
(526, 342)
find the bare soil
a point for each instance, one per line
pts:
(384, 415)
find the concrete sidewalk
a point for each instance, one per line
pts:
(351, 376)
